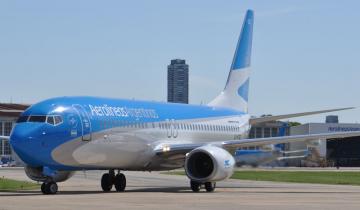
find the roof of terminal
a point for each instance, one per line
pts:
(12, 110)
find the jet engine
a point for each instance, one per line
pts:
(209, 164)
(36, 174)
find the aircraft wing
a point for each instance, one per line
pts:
(294, 151)
(182, 149)
(291, 157)
(4, 137)
(288, 139)
(285, 116)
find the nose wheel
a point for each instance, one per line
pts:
(49, 188)
(110, 179)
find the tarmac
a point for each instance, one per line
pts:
(159, 191)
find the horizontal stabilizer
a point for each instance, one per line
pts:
(286, 116)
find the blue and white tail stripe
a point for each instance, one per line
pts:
(236, 92)
(243, 90)
(242, 56)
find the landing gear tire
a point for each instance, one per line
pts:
(106, 182)
(52, 187)
(120, 182)
(49, 188)
(210, 186)
(195, 186)
(43, 188)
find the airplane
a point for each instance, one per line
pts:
(256, 157)
(58, 136)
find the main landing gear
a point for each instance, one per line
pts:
(110, 179)
(49, 188)
(196, 186)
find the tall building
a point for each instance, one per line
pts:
(178, 82)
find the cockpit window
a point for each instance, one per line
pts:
(22, 119)
(50, 120)
(54, 119)
(37, 118)
(58, 119)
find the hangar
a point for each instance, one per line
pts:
(331, 152)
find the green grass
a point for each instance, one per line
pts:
(314, 177)
(9, 185)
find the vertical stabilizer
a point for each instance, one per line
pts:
(235, 93)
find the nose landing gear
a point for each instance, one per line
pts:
(110, 179)
(49, 188)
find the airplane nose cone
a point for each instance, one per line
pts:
(21, 134)
(23, 141)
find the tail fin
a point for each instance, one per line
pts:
(235, 93)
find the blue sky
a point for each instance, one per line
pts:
(305, 53)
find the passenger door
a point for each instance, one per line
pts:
(85, 122)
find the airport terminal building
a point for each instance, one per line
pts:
(332, 152)
(8, 117)
(328, 153)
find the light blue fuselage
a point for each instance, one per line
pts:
(100, 133)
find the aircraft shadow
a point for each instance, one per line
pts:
(168, 190)
(80, 192)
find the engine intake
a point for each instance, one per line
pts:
(200, 165)
(208, 164)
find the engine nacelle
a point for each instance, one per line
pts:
(37, 174)
(209, 164)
